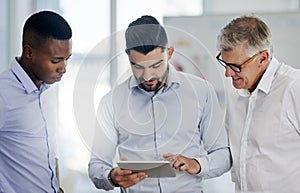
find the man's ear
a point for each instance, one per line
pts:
(170, 52)
(264, 58)
(27, 51)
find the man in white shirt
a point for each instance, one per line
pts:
(263, 114)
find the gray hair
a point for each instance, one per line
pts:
(249, 30)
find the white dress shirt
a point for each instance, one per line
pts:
(264, 133)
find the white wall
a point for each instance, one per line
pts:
(18, 11)
(3, 34)
(239, 6)
(13, 14)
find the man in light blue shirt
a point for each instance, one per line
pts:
(158, 114)
(28, 161)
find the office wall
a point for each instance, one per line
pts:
(3, 34)
(13, 14)
(239, 6)
(285, 29)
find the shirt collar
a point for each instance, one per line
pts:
(266, 80)
(268, 77)
(172, 78)
(24, 79)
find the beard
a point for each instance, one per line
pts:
(154, 84)
(155, 87)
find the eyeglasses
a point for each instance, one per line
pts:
(235, 67)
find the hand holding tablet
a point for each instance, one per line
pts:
(154, 169)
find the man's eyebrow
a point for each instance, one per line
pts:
(69, 57)
(156, 63)
(133, 63)
(62, 58)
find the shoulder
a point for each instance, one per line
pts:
(187, 78)
(117, 91)
(12, 91)
(4, 82)
(192, 85)
(288, 75)
(287, 80)
(288, 71)
(7, 83)
(5, 78)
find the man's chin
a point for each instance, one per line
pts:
(151, 86)
(52, 81)
(148, 88)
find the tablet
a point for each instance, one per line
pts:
(154, 169)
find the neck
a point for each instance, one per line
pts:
(259, 77)
(25, 67)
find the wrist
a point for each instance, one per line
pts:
(110, 180)
(199, 170)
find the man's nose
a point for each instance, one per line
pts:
(62, 67)
(147, 75)
(229, 72)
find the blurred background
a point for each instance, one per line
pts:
(192, 27)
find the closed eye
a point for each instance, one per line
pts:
(156, 65)
(137, 66)
(59, 59)
(55, 61)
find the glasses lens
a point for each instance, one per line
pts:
(235, 68)
(222, 63)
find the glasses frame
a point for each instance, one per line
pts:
(235, 67)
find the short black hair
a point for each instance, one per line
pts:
(145, 34)
(46, 24)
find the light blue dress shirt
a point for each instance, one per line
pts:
(27, 144)
(184, 118)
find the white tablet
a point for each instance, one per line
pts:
(154, 169)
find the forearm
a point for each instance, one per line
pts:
(215, 163)
(98, 173)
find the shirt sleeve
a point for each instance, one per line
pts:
(49, 101)
(217, 159)
(294, 104)
(2, 114)
(104, 146)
